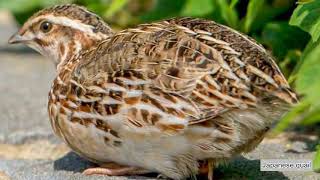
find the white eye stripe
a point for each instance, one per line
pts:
(75, 24)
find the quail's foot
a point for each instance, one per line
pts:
(113, 169)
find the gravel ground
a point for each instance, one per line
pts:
(30, 151)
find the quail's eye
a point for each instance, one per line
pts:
(45, 26)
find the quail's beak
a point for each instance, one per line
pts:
(17, 38)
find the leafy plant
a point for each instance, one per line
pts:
(253, 9)
(316, 161)
(306, 16)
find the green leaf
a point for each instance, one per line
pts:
(115, 6)
(228, 13)
(309, 73)
(254, 7)
(268, 12)
(197, 8)
(233, 3)
(316, 160)
(312, 117)
(307, 17)
(281, 38)
(304, 1)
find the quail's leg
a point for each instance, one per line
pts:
(210, 168)
(112, 169)
(207, 168)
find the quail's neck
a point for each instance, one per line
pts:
(67, 52)
(71, 50)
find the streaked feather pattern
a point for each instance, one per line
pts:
(164, 95)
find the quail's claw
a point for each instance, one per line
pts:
(115, 170)
(161, 176)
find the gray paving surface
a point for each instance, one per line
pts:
(24, 83)
(30, 151)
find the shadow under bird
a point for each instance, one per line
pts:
(175, 97)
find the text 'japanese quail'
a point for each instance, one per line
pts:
(160, 97)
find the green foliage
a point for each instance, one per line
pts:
(164, 9)
(197, 8)
(23, 8)
(316, 161)
(306, 16)
(228, 12)
(254, 7)
(307, 73)
(291, 33)
(115, 7)
(278, 36)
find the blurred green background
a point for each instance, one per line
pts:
(289, 29)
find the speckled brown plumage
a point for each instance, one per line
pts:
(163, 96)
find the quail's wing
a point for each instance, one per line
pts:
(178, 72)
